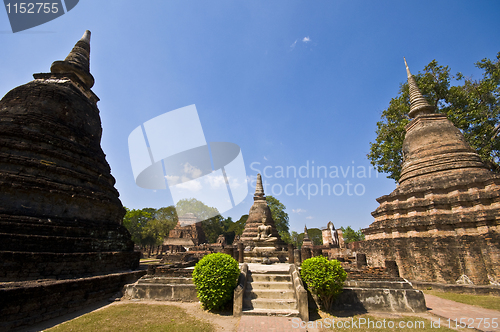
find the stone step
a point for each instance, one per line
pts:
(167, 280)
(270, 271)
(276, 304)
(270, 277)
(270, 294)
(270, 285)
(377, 284)
(271, 312)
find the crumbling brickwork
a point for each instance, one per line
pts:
(442, 221)
(61, 235)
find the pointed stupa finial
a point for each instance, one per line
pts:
(259, 189)
(86, 37)
(77, 61)
(418, 104)
(306, 235)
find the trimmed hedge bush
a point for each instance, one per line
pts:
(323, 278)
(215, 277)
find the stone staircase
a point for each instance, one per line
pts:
(171, 285)
(271, 293)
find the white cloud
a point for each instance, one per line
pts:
(306, 39)
(193, 185)
(265, 158)
(234, 182)
(172, 179)
(310, 217)
(191, 171)
(294, 43)
(298, 210)
(215, 181)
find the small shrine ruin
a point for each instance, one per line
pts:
(262, 242)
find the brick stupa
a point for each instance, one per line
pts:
(442, 220)
(60, 215)
(259, 210)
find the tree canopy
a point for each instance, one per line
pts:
(198, 208)
(279, 215)
(149, 226)
(350, 235)
(473, 107)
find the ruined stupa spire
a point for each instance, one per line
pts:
(418, 104)
(259, 190)
(306, 235)
(77, 61)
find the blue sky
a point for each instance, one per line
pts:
(293, 83)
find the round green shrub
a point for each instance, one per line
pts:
(323, 278)
(215, 277)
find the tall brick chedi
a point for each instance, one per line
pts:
(442, 220)
(60, 215)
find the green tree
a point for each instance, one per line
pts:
(279, 215)
(315, 235)
(296, 239)
(167, 219)
(473, 107)
(350, 235)
(135, 221)
(239, 226)
(198, 208)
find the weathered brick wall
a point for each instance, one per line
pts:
(438, 258)
(21, 266)
(23, 306)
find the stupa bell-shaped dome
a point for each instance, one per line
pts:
(432, 143)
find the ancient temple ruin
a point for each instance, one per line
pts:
(258, 211)
(260, 236)
(60, 215)
(306, 242)
(186, 233)
(442, 220)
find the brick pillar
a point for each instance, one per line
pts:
(360, 260)
(296, 256)
(290, 254)
(235, 252)
(317, 252)
(392, 268)
(228, 251)
(305, 253)
(241, 249)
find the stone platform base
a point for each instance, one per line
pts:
(266, 253)
(460, 289)
(27, 303)
(388, 296)
(168, 285)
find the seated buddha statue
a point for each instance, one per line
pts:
(265, 232)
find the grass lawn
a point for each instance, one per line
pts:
(371, 323)
(484, 301)
(136, 317)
